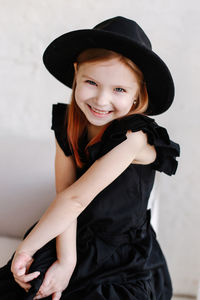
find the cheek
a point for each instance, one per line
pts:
(79, 95)
(82, 94)
(123, 104)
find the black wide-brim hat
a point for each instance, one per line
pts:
(121, 35)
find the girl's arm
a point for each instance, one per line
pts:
(65, 175)
(71, 202)
(66, 245)
(58, 275)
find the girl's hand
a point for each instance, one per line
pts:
(55, 281)
(20, 265)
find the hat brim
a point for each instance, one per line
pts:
(63, 51)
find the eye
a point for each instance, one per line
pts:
(121, 90)
(90, 82)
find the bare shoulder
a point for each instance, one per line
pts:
(137, 137)
(147, 153)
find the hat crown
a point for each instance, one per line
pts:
(127, 28)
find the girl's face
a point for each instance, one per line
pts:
(105, 90)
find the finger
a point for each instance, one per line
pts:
(29, 277)
(20, 271)
(45, 284)
(17, 264)
(38, 297)
(29, 264)
(45, 292)
(23, 285)
(44, 288)
(56, 295)
(42, 295)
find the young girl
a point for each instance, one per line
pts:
(95, 240)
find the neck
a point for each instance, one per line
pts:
(93, 131)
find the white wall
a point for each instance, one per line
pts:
(28, 91)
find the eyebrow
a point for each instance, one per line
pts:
(118, 85)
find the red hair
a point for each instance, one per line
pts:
(76, 120)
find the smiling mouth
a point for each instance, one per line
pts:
(99, 112)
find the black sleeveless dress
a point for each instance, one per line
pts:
(118, 255)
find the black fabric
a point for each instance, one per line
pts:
(59, 114)
(118, 255)
(167, 150)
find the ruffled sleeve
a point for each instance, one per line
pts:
(59, 113)
(167, 150)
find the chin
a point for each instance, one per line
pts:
(100, 124)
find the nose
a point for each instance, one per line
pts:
(102, 99)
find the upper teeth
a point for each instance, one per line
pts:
(100, 111)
